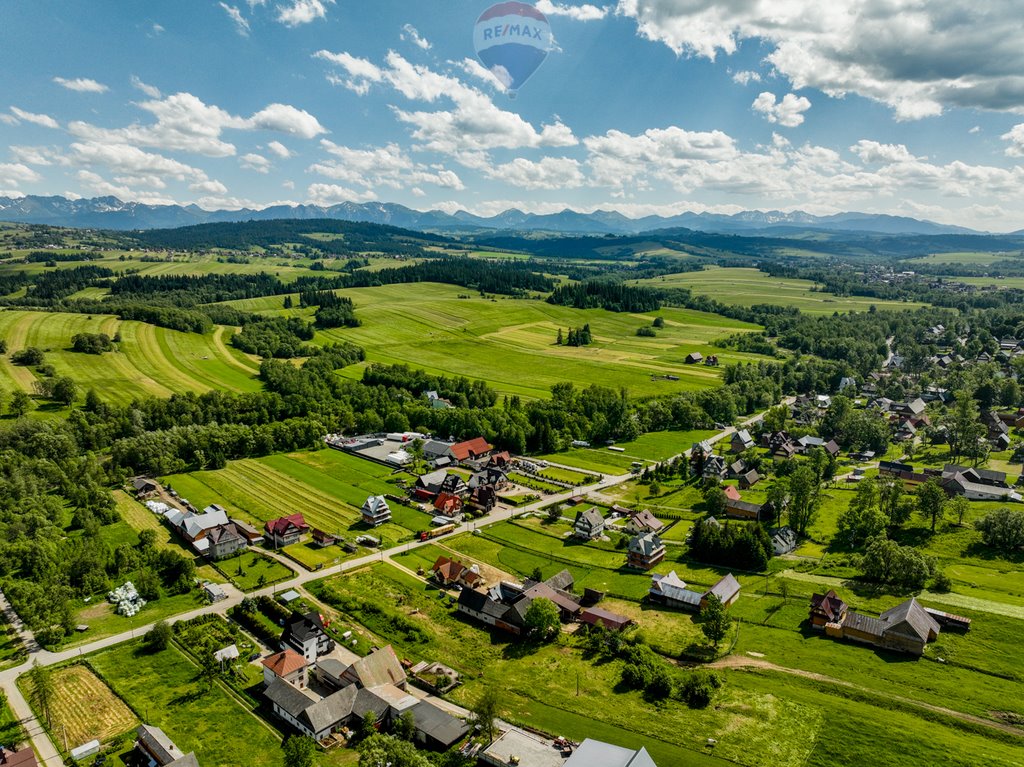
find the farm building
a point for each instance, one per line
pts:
(740, 441)
(731, 493)
(749, 479)
(144, 487)
(907, 627)
(744, 510)
(612, 621)
(594, 753)
(157, 750)
(323, 539)
(375, 511)
(727, 589)
(693, 358)
(471, 450)
(285, 531)
(671, 590)
(23, 757)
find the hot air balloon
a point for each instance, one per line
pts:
(512, 40)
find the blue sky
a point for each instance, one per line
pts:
(643, 106)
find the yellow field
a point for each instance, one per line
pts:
(84, 708)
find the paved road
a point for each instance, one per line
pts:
(44, 747)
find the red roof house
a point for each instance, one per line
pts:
(286, 530)
(471, 449)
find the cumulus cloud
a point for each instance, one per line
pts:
(585, 12)
(130, 160)
(256, 162)
(287, 119)
(14, 174)
(547, 173)
(279, 149)
(150, 90)
(302, 12)
(241, 23)
(746, 76)
(917, 57)
(210, 187)
(332, 194)
(789, 112)
(361, 74)
(410, 33)
(388, 166)
(38, 155)
(81, 84)
(37, 119)
(185, 123)
(1016, 138)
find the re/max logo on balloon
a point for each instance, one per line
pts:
(514, 30)
(512, 39)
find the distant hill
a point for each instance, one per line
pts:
(112, 213)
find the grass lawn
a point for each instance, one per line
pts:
(149, 360)
(327, 487)
(257, 570)
(11, 732)
(654, 446)
(428, 326)
(747, 287)
(83, 707)
(102, 621)
(164, 689)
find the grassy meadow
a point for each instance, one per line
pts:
(149, 359)
(499, 340)
(747, 287)
(327, 487)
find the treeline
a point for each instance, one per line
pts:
(747, 546)
(270, 337)
(50, 286)
(333, 311)
(43, 256)
(505, 277)
(356, 237)
(460, 391)
(604, 294)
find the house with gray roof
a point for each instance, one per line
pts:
(671, 590)
(589, 524)
(158, 750)
(727, 590)
(595, 753)
(907, 627)
(645, 551)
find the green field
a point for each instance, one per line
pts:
(149, 359)
(328, 487)
(747, 287)
(428, 326)
(967, 258)
(164, 690)
(653, 446)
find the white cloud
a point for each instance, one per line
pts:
(256, 162)
(585, 12)
(746, 76)
(241, 23)
(361, 73)
(302, 12)
(130, 160)
(81, 84)
(98, 185)
(874, 152)
(8, 119)
(410, 33)
(153, 182)
(332, 194)
(547, 173)
(387, 166)
(38, 155)
(917, 57)
(185, 123)
(288, 184)
(13, 174)
(975, 129)
(37, 119)
(157, 29)
(788, 113)
(210, 187)
(150, 90)
(1016, 138)
(284, 118)
(279, 149)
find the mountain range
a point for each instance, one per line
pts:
(112, 213)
